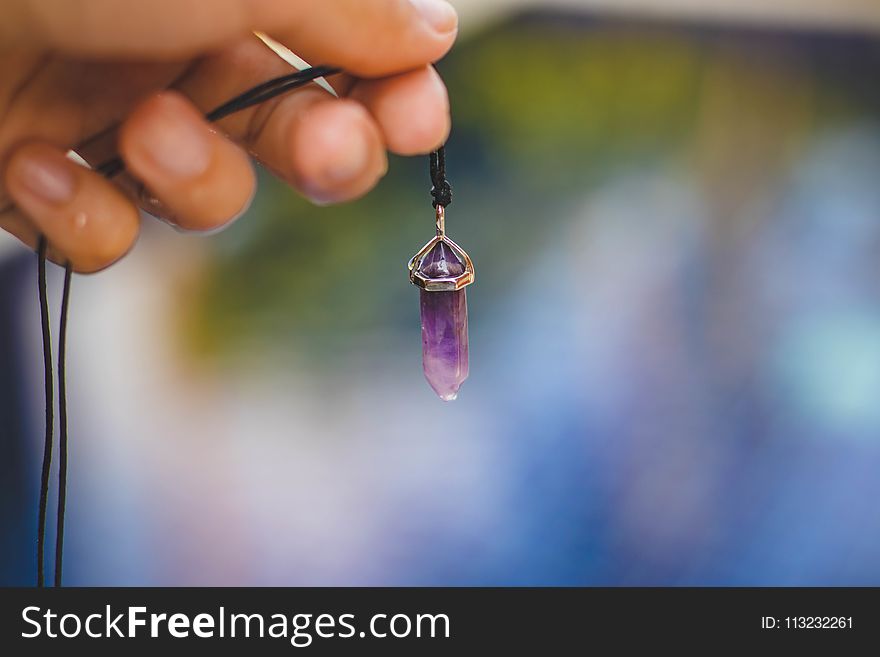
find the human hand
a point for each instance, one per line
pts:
(104, 77)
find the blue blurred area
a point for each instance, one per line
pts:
(675, 342)
(16, 522)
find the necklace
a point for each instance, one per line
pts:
(441, 269)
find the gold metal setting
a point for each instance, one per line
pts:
(441, 284)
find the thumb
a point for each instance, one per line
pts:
(366, 36)
(152, 29)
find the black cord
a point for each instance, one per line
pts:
(254, 96)
(268, 90)
(441, 190)
(50, 420)
(62, 420)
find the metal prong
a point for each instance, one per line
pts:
(441, 221)
(441, 284)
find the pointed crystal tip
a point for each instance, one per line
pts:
(441, 262)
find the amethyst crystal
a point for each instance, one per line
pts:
(444, 324)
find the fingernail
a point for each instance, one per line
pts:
(439, 14)
(47, 176)
(177, 142)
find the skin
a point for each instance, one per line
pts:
(104, 77)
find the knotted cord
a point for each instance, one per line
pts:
(441, 190)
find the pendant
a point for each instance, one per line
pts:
(442, 269)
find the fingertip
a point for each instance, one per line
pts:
(84, 217)
(222, 197)
(337, 152)
(438, 14)
(200, 179)
(412, 110)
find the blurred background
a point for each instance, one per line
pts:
(674, 211)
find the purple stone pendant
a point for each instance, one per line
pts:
(442, 269)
